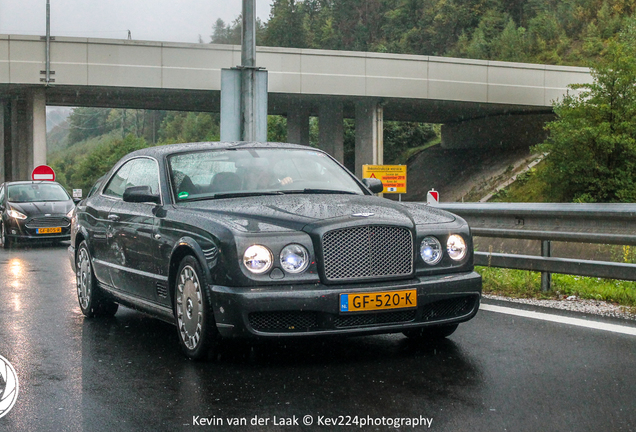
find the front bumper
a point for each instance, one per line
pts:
(71, 257)
(313, 309)
(23, 230)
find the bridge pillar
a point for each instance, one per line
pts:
(499, 131)
(369, 135)
(23, 134)
(20, 137)
(298, 123)
(4, 113)
(38, 125)
(331, 129)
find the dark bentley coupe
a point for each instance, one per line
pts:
(267, 240)
(34, 210)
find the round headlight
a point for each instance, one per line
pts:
(456, 247)
(294, 258)
(431, 250)
(257, 259)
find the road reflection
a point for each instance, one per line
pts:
(132, 358)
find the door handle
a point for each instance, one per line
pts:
(113, 218)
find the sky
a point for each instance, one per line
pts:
(154, 20)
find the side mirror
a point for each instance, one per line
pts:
(373, 184)
(77, 200)
(140, 194)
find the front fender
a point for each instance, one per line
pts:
(187, 242)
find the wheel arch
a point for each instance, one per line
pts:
(185, 246)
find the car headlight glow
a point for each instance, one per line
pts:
(431, 250)
(294, 258)
(258, 259)
(456, 247)
(16, 214)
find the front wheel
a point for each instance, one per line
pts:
(91, 300)
(194, 316)
(431, 333)
(4, 239)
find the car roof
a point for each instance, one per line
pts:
(160, 151)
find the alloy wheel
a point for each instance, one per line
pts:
(189, 307)
(84, 278)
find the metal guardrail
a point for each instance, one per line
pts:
(582, 223)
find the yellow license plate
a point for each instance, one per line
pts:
(378, 301)
(49, 230)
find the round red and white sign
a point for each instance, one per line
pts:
(43, 172)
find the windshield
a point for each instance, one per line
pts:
(238, 172)
(33, 192)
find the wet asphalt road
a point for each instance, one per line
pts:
(496, 373)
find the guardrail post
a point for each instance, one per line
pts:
(546, 277)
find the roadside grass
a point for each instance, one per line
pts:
(527, 284)
(527, 188)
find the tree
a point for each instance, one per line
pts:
(592, 143)
(86, 123)
(285, 26)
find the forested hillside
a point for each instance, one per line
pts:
(571, 32)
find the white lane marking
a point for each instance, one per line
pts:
(560, 319)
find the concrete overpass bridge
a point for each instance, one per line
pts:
(480, 103)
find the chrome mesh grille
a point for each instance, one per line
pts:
(48, 222)
(367, 252)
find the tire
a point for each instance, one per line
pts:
(6, 243)
(193, 311)
(431, 333)
(91, 300)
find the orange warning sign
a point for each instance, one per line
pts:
(393, 177)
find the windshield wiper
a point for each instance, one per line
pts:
(243, 194)
(318, 191)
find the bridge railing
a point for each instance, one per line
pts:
(583, 223)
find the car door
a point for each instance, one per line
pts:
(99, 226)
(133, 226)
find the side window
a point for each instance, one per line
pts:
(117, 184)
(144, 173)
(96, 186)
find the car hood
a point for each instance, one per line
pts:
(272, 212)
(43, 207)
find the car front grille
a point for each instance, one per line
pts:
(48, 222)
(375, 319)
(311, 321)
(449, 308)
(367, 252)
(283, 321)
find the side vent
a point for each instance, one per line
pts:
(162, 290)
